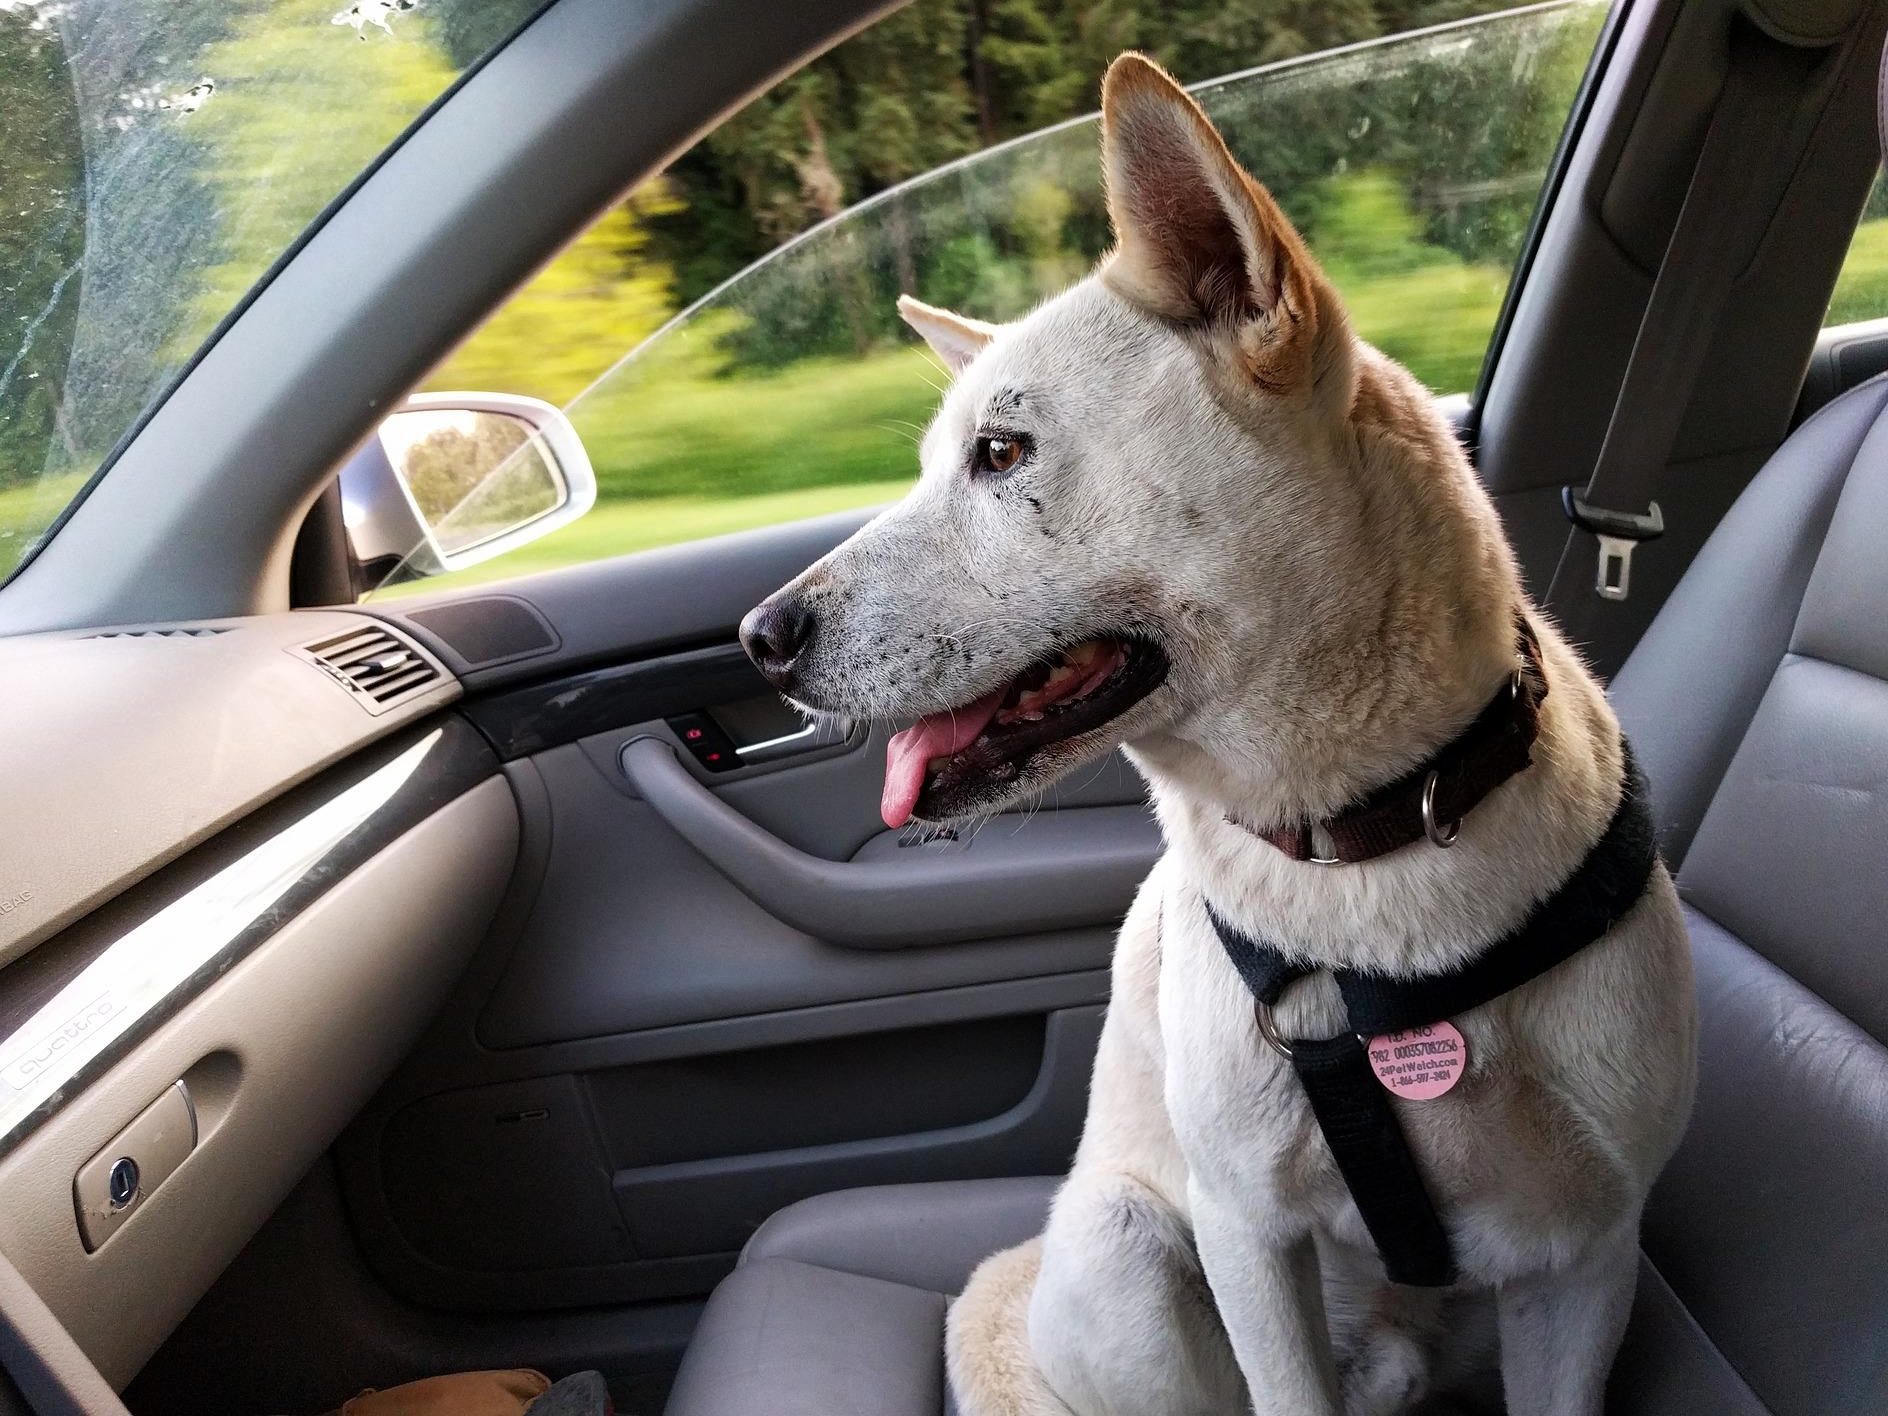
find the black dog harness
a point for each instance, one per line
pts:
(1353, 1107)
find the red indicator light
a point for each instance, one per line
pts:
(693, 734)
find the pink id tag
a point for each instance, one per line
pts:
(1420, 1064)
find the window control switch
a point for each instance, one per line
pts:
(706, 741)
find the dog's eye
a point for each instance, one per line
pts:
(997, 453)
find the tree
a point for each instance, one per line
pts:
(605, 294)
(42, 237)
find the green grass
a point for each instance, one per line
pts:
(1862, 289)
(619, 527)
(1435, 320)
(26, 511)
(673, 424)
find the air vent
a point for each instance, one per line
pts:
(375, 664)
(201, 631)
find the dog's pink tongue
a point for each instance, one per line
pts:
(935, 735)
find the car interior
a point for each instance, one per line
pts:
(500, 975)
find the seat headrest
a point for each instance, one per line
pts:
(1807, 23)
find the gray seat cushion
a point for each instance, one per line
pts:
(837, 1308)
(797, 1339)
(928, 1236)
(1763, 1238)
(1759, 704)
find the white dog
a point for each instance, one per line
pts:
(1184, 508)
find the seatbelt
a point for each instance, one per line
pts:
(1724, 212)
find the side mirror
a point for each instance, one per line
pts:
(453, 479)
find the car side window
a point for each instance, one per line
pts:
(725, 341)
(1861, 291)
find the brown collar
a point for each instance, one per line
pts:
(1433, 796)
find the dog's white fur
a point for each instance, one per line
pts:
(1217, 462)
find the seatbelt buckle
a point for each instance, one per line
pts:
(1619, 533)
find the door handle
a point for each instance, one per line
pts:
(1071, 869)
(784, 745)
(716, 748)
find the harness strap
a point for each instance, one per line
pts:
(1373, 1156)
(1353, 1108)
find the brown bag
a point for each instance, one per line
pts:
(460, 1394)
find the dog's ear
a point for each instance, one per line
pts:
(956, 339)
(1197, 240)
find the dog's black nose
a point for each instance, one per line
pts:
(775, 633)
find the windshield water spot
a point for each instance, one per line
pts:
(191, 99)
(372, 12)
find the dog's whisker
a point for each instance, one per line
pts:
(1088, 781)
(993, 621)
(930, 358)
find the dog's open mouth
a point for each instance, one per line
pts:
(948, 764)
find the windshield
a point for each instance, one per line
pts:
(156, 157)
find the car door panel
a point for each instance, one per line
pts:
(713, 1202)
(634, 929)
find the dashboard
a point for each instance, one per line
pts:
(241, 862)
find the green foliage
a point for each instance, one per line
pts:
(282, 70)
(42, 235)
(942, 78)
(604, 295)
(1862, 289)
(156, 157)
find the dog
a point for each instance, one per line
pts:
(1183, 509)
